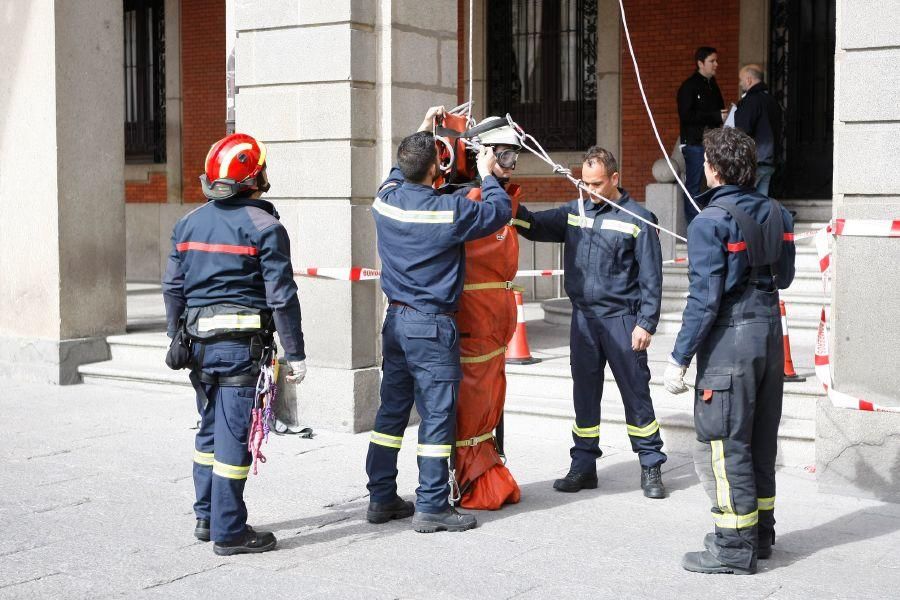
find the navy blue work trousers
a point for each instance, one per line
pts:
(420, 366)
(221, 458)
(594, 343)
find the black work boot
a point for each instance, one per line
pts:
(652, 483)
(382, 512)
(575, 481)
(704, 562)
(763, 551)
(449, 520)
(250, 542)
(201, 531)
(764, 544)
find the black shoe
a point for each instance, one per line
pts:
(201, 531)
(575, 481)
(449, 520)
(382, 512)
(762, 551)
(704, 562)
(250, 542)
(652, 483)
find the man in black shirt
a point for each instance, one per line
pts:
(700, 107)
(759, 115)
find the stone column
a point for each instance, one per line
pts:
(331, 87)
(62, 288)
(753, 39)
(859, 452)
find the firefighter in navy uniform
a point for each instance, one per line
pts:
(421, 236)
(614, 279)
(228, 285)
(741, 252)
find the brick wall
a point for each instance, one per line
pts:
(203, 87)
(665, 34)
(151, 191)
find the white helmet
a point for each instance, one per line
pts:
(503, 135)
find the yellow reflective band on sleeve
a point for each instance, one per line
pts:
(576, 221)
(491, 285)
(733, 521)
(723, 488)
(586, 432)
(475, 440)
(383, 439)
(484, 357)
(623, 226)
(434, 450)
(412, 216)
(520, 223)
(203, 458)
(230, 471)
(765, 503)
(229, 322)
(645, 431)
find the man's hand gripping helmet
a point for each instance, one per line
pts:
(235, 164)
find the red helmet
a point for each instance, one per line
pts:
(234, 164)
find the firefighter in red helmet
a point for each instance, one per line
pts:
(228, 287)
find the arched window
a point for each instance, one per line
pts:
(541, 57)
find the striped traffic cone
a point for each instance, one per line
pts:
(518, 352)
(789, 373)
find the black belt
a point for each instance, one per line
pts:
(399, 304)
(229, 381)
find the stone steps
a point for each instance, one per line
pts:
(545, 389)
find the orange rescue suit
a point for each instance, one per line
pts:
(486, 322)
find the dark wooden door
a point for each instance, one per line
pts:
(802, 80)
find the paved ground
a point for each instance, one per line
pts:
(96, 497)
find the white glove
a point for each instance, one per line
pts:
(674, 377)
(298, 371)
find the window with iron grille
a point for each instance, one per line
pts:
(145, 81)
(542, 57)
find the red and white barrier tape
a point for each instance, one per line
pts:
(822, 353)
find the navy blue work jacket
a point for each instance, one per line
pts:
(234, 251)
(719, 269)
(613, 266)
(421, 236)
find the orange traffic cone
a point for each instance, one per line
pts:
(518, 352)
(789, 373)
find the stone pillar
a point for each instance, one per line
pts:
(331, 87)
(61, 187)
(609, 78)
(859, 452)
(753, 39)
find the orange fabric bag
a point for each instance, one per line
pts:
(486, 321)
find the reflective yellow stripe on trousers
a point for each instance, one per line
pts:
(723, 488)
(586, 432)
(765, 503)
(383, 439)
(645, 431)
(230, 471)
(434, 450)
(733, 521)
(203, 458)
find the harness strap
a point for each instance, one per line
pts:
(229, 381)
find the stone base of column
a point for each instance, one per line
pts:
(665, 201)
(49, 361)
(332, 399)
(858, 452)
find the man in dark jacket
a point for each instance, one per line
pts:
(229, 284)
(741, 252)
(614, 279)
(700, 107)
(759, 115)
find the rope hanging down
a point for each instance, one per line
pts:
(637, 73)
